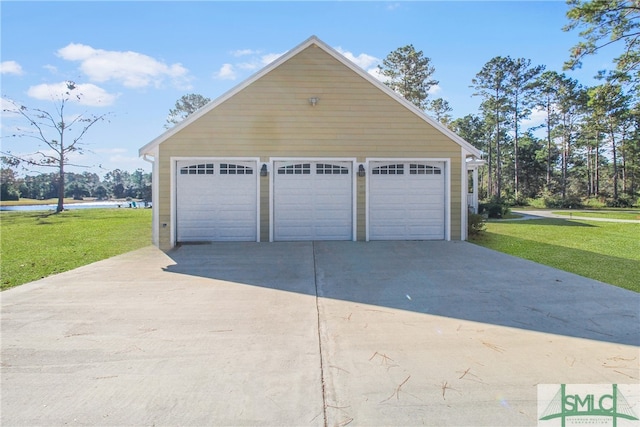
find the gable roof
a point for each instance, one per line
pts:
(313, 40)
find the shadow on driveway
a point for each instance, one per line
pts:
(451, 279)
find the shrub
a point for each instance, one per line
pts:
(555, 201)
(620, 202)
(594, 202)
(494, 208)
(475, 224)
(537, 203)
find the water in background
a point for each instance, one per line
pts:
(70, 206)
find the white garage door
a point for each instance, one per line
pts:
(216, 201)
(313, 200)
(406, 200)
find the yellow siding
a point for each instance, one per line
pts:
(272, 117)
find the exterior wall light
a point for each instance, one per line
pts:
(361, 171)
(263, 170)
(313, 101)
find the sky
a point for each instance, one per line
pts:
(134, 60)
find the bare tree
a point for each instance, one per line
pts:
(58, 136)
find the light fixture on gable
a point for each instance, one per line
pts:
(313, 101)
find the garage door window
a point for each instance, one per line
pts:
(203, 169)
(299, 169)
(328, 169)
(231, 169)
(389, 170)
(424, 170)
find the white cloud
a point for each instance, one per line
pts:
(536, 118)
(363, 60)
(255, 61)
(132, 69)
(375, 72)
(244, 52)
(10, 67)
(89, 94)
(434, 89)
(270, 57)
(226, 72)
(247, 65)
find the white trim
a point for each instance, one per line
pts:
(464, 189)
(155, 196)
(447, 190)
(172, 197)
(174, 180)
(354, 187)
(313, 40)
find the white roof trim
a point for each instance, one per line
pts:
(146, 149)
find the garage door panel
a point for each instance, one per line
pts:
(313, 206)
(216, 201)
(329, 200)
(425, 216)
(406, 200)
(389, 216)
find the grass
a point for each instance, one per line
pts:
(37, 244)
(605, 251)
(627, 214)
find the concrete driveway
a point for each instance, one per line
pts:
(324, 333)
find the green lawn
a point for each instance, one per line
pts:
(627, 214)
(609, 252)
(37, 244)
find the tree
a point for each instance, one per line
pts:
(572, 103)
(605, 23)
(520, 86)
(609, 105)
(185, 106)
(408, 72)
(532, 160)
(546, 97)
(8, 184)
(59, 135)
(474, 130)
(491, 83)
(631, 152)
(441, 109)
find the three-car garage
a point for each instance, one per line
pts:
(309, 199)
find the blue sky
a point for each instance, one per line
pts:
(135, 59)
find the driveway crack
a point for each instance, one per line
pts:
(322, 382)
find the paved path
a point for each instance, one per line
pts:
(321, 334)
(537, 214)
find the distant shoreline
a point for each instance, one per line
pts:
(69, 201)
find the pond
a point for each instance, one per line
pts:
(70, 206)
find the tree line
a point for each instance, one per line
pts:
(116, 184)
(587, 146)
(589, 142)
